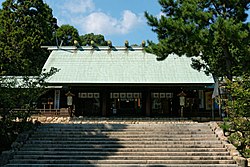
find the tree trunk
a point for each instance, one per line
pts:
(228, 63)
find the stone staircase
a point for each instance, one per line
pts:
(105, 144)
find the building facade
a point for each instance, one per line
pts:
(126, 81)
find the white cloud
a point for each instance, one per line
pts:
(129, 21)
(98, 22)
(78, 6)
(101, 23)
(87, 18)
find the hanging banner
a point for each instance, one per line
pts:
(208, 97)
(201, 98)
(57, 99)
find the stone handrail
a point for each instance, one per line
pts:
(241, 161)
(44, 112)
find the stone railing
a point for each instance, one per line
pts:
(45, 112)
(15, 146)
(53, 112)
(99, 120)
(242, 162)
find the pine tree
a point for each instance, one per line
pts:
(214, 32)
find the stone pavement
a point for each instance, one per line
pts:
(63, 141)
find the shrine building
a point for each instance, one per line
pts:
(125, 81)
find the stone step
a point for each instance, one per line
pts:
(176, 132)
(131, 128)
(119, 157)
(107, 141)
(57, 133)
(60, 138)
(114, 133)
(90, 153)
(90, 135)
(109, 144)
(192, 149)
(117, 145)
(122, 165)
(118, 135)
(163, 128)
(105, 161)
(124, 124)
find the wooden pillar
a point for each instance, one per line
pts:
(104, 103)
(104, 100)
(104, 106)
(148, 103)
(57, 99)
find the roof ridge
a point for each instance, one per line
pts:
(97, 48)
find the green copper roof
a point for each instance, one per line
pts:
(121, 66)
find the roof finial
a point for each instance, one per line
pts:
(92, 43)
(75, 42)
(109, 43)
(126, 44)
(143, 44)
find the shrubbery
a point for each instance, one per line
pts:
(237, 124)
(18, 99)
(11, 130)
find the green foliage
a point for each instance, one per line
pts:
(213, 32)
(99, 40)
(18, 99)
(12, 129)
(67, 34)
(238, 108)
(25, 25)
(225, 126)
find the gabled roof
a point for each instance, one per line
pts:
(121, 66)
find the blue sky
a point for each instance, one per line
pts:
(117, 20)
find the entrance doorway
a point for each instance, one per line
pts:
(88, 104)
(161, 103)
(126, 104)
